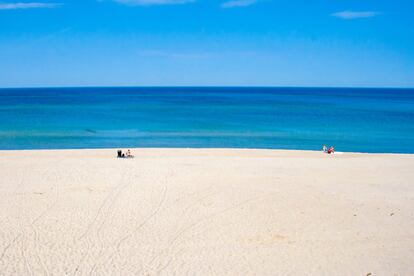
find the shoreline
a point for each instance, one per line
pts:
(203, 149)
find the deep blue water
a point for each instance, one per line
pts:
(363, 120)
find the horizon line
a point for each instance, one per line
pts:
(208, 86)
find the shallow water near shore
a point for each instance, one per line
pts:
(360, 120)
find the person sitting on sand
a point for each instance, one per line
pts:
(128, 154)
(324, 148)
(331, 150)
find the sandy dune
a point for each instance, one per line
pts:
(206, 212)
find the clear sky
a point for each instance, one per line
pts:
(364, 43)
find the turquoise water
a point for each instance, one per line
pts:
(363, 120)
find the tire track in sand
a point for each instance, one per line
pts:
(140, 226)
(101, 216)
(35, 220)
(199, 222)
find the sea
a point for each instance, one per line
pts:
(351, 120)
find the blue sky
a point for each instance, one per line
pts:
(363, 43)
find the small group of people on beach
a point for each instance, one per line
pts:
(328, 151)
(125, 155)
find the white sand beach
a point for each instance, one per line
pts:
(206, 212)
